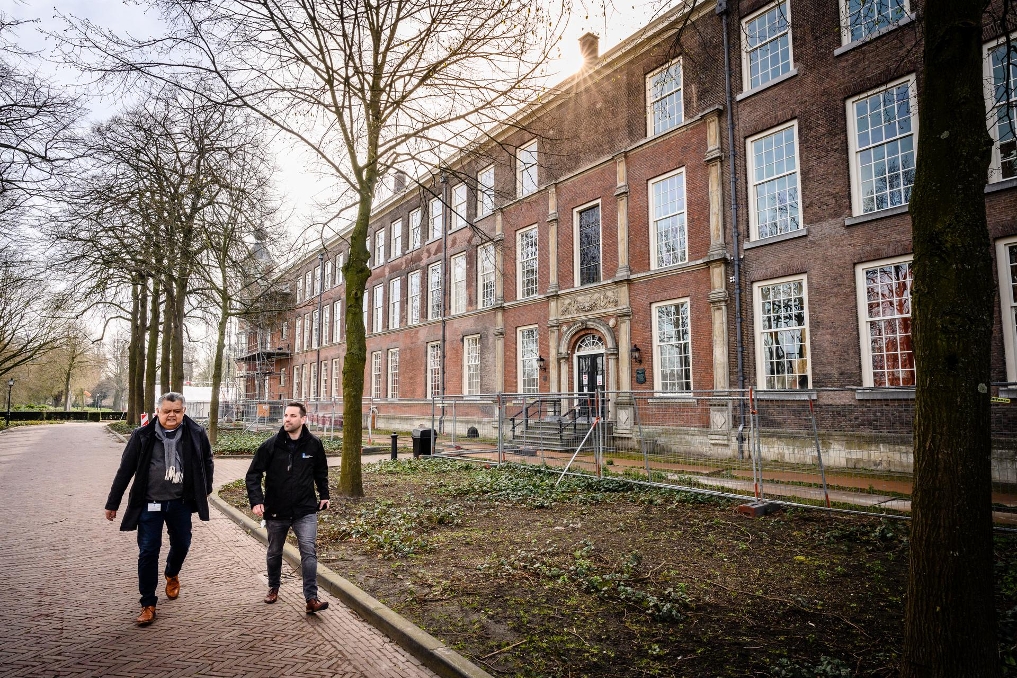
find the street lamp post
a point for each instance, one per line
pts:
(10, 387)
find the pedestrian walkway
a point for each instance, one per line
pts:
(69, 595)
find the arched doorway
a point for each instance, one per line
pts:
(590, 370)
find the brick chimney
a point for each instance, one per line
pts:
(589, 47)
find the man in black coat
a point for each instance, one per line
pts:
(293, 462)
(170, 460)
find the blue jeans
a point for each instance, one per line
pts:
(177, 518)
(306, 529)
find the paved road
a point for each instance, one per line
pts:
(68, 584)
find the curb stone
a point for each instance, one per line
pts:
(434, 654)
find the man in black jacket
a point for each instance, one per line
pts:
(170, 460)
(293, 462)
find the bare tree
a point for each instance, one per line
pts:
(26, 331)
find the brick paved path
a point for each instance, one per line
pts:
(69, 595)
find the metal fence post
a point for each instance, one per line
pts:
(501, 429)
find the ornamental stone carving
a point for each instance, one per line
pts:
(585, 304)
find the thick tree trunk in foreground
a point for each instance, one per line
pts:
(132, 360)
(950, 627)
(142, 320)
(168, 312)
(151, 358)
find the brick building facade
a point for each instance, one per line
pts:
(593, 245)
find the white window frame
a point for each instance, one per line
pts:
(378, 312)
(747, 51)
(658, 379)
(305, 385)
(339, 260)
(413, 300)
(1008, 306)
(337, 321)
(485, 192)
(575, 240)
(752, 184)
(415, 227)
(655, 262)
(284, 330)
(376, 372)
(395, 299)
(314, 381)
(315, 329)
(379, 247)
(393, 374)
(298, 339)
(996, 165)
(758, 332)
(853, 152)
(471, 364)
(435, 219)
(328, 274)
(458, 301)
(317, 280)
(651, 128)
(526, 182)
(485, 276)
(868, 379)
(336, 379)
(282, 377)
(300, 288)
(397, 239)
(307, 331)
(325, 323)
(845, 24)
(521, 360)
(367, 306)
(296, 382)
(435, 293)
(433, 358)
(520, 234)
(323, 380)
(307, 285)
(459, 201)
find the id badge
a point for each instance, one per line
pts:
(154, 506)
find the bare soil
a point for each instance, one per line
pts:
(607, 578)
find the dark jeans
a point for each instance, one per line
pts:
(306, 529)
(177, 518)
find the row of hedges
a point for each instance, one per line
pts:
(58, 415)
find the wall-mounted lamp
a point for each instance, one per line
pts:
(637, 355)
(541, 363)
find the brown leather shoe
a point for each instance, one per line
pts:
(172, 587)
(147, 616)
(273, 595)
(315, 605)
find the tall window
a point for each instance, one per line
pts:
(1003, 109)
(664, 98)
(669, 229)
(397, 238)
(325, 325)
(305, 382)
(323, 380)
(773, 183)
(395, 298)
(299, 336)
(328, 274)
(471, 365)
(437, 219)
(366, 302)
(862, 18)
(1006, 267)
(588, 251)
(296, 382)
(307, 331)
(782, 343)
(415, 224)
(300, 289)
(529, 368)
(434, 369)
(767, 43)
(434, 296)
(314, 381)
(307, 284)
(458, 301)
(413, 294)
(339, 269)
(315, 329)
(485, 191)
(526, 169)
(337, 319)
(336, 378)
(376, 375)
(884, 304)
(527, 258)
(458, 206)
(284, 331)
(317, 280)
(882, 127)
(485, 275)
(379, 308)
(393, 373)
(379, 247)
(672, 348)
(282, 377)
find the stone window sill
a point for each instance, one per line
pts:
(872, 216)
(786, 395)
(872, 36)
(749, 92)
(902, 393)
(801, 232)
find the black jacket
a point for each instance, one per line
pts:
(290, 476)
(196, 455)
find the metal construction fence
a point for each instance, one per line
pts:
(838, 448)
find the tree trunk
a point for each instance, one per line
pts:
(67, 383)
(168, 311)
(356, 272)
(950, 619)
(142, 329)
(177, 361)
(153, 346)
(132, 360)
(220, 346)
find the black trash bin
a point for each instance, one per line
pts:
(423, 441)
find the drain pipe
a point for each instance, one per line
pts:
(722, 10)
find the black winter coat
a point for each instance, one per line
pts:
(289, 482)
(196, 455)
